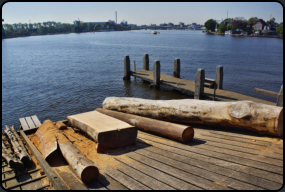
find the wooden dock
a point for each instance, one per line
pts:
(189, 86)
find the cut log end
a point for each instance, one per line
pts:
(89, 174)
(188, 134)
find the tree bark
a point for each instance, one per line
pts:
(265, 119)
(173, 131)
(12, 161)
(18, 150)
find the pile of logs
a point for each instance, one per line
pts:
(18, 158)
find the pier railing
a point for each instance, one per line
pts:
(273, 94)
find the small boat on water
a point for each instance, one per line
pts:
(154, 32)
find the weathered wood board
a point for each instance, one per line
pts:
(104, 129)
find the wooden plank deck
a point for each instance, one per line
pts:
(189, 86)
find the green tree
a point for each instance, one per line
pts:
(24, 32)
(222, 28)
(42, 30)
(251, 20)
(271, 21)
(239, 24)
(51, 29)
(280, 29)
(210, 24)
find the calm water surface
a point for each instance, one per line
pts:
(55, 76)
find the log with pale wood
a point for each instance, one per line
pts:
(171, 130)
(104, 130)
(18, 150)
(11, 160)
(265, 119)
(19, 140)
(50, 136)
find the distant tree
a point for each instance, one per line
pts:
(210, 24)
(42, 30)
(251, 20)
(51, 29)
(280, 29)
(24, 32)
(229, 27)
(222, 28)
(271, 21)
(239, 24)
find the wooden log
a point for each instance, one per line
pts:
(173, 131)
(266, 92)
(19, 151)
(199, 83)
(127, 68)
(265, 119)
(156, 74)
(176, 69)
(84, 168)
(145, 62)
(103, 129)
(12, 161)
(19, 140)
(280, 97)
(219, 77)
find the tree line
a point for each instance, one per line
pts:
(238, 23)
(52, 27)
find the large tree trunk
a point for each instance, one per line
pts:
(105, 130)
(18, 150)
(265, 119)
(173, 131)
(50, 136)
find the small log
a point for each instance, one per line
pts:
(176, 68)
(19, 140)
(19, 151)
(83, 167)
(173, 131)
(12, 161)
(265, 119)
(103, 129)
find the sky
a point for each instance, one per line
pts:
(140, 13)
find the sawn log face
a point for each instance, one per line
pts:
(265, 119)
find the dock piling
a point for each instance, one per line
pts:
(199, 83)
(280, 97)
(127, 68)
(145, 62)
(176, 70)
(156, 74)
(219, 77)
(134, 65)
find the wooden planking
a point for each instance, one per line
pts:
(242, 140)
(218, 142)
(30, 122)
(226, 139)
(239, 176)
(36, 121)
(189, 86)
(230, 158)
(161, 176)
(24, 124)
(217, 178)
(187, 151)
(109, 182)
(198, 181)
(10, 182)
(135, 174)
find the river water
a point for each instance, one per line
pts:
(54, 76)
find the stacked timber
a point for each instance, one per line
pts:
(11, 160)
(173, 131)
(51, 137)
(104, 130)
(262, 118)
(19, 150)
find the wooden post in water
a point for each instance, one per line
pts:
(280, 97)
(127, 68)
(176, 70)
(145, 62)
(219, 77)
(156, 74)
(199, 83)
(134, 65)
